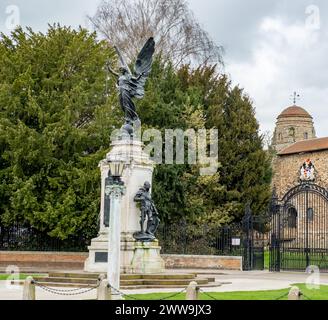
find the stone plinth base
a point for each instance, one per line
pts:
(147, 258)
(98, 258)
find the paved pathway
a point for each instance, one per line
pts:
(238, 281)
(8, 292)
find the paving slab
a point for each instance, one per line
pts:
(232, 281)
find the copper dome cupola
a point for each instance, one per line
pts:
(293, 124)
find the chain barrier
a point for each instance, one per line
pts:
(65, 292)
(121, 293)
(134, 298)
(286, 294)
(174, 295)
(283, 296)
(208, 294)
(306, 297)
(79, 291)
(279, 298)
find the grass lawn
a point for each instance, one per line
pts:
(266, 259)
(297, 260)
(321, 294)
(21, 276)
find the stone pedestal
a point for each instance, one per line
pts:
(97, 260)
(139, 169)
(147, 258)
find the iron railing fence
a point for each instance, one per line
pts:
(191, 239)
(20, 237)
(246, 239)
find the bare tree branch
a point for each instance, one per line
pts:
(179, 37)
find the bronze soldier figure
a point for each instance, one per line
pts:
(149, 213)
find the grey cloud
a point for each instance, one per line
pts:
(235, 25)
(232, 23)
(38, 13)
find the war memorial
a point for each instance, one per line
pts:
(134, 165)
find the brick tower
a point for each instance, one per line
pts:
(293, 124)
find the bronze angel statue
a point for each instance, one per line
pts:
(131, 85)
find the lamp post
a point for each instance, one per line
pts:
(115, 190)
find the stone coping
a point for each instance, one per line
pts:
(203, 256)
(46, 253)
(86, 254)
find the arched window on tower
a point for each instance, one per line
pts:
(306, 136)
(280, 137)
(292, 133)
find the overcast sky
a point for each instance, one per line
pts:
(272, 47)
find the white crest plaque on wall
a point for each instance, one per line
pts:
(307, 171)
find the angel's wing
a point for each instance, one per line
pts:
(142, 66)
(122, 60)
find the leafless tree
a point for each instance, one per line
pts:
(179, 37)
(267, 139)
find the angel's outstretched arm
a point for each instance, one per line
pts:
(112, 71)
(122, 60)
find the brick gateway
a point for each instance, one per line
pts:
(299, 230)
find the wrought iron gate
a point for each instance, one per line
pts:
(299, 229)
(247, 239)
(254, 240)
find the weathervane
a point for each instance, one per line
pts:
(295, 96)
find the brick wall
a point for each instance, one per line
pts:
(48, 261)
(202, 262)
(43, 260)
(287, 170)
(286, 176)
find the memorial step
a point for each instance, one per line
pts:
(128, 281)
(123, 276)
